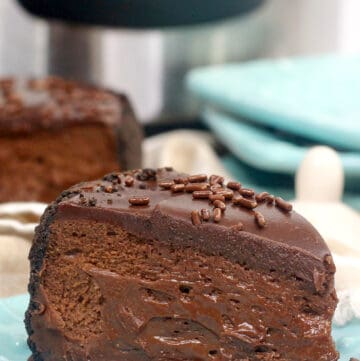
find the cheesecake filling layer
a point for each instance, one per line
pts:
(106, 294)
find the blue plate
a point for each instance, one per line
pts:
(13, 345)
(266, 149)
(315, 97)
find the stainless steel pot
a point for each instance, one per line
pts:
(149, 65)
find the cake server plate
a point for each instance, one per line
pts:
(13, 345)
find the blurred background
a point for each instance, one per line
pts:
(150, 53)
(149, 64)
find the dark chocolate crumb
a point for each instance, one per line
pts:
(246, 192)
(139, 201)
(217, 215)
(285, 206)
(109, 201)
(169, 169)
(142, 186)
(201, 194)
(39, 308)
(195, 218)
(111, 177)
(82, 199)
(244, 202)
(166, 185)
(260, 219)
(129, 181)
(205, 214)
(176, 188)
(192, 187)
(234, 185)
(92, 202)
(220, 204)
(147, 174)
(197, 178)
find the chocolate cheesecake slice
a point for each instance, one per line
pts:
(157, 265)
(55, 133)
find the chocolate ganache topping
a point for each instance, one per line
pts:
(199, 210)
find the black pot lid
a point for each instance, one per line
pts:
(139, 13)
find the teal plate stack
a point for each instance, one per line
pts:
(13, 337)
(268, 113)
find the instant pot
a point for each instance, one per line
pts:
(142, 47)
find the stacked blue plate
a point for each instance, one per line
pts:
(268, 113)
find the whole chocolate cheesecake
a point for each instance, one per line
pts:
(55, 133)
(157, 265)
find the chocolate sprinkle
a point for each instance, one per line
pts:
(285, 206)
(228, 194)
(234, 185)
(195, 218)
(201, 194)
(181, 180)
(247, 192)
(217, 215)
(220, 204)
(139, 201)
(216, 179)
(166, 185)
(129, 181)
(214, 197)
(176, 188)
(108, 189)
(260, 219)
(261, 197)
(197, 178)
(192, 187)
(244, 202)
(205, 214)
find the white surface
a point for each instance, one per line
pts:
(13, 217)
(319, 188)
(187, 151)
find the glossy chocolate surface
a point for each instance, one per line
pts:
(167, 217)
